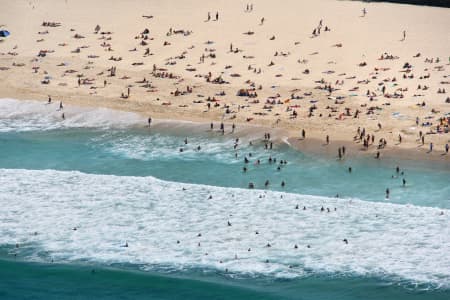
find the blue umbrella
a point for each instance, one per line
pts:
(4, 33)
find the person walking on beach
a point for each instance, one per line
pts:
(149, 121)
(446, 148)
(364, 11)
(217, 16)
(404, 35)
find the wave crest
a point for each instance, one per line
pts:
(186, 225)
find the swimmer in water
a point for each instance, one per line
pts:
(387, 193)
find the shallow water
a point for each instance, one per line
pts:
(118, 183)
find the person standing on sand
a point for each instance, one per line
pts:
(149, 121)
(404, 35)
(364, 11)
(446, 148)
(217, 16)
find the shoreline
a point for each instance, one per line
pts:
(280, 136)
(330, 69)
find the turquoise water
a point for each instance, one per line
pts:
(138, 152)
(40, 281)
(74, 192)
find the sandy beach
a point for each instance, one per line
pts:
(325, 67)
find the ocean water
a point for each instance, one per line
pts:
(102, 202)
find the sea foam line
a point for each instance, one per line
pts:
(186, 225)
(29, 115)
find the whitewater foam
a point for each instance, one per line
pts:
(29, 115)
(387, 240)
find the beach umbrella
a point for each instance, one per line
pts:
(4, 33)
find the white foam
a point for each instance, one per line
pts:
(161, 146)
(18, 115)
(388, 240)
